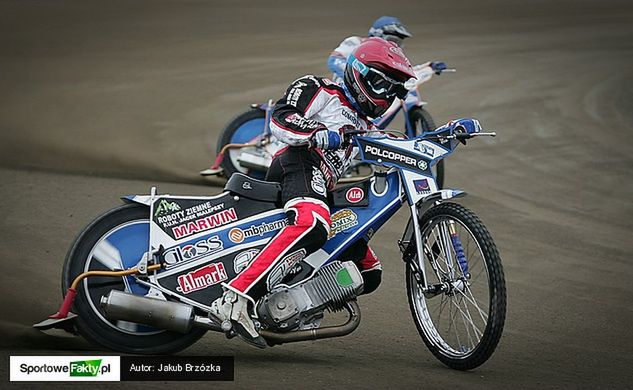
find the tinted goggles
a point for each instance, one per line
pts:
(383, 85)
(379, 83)
(394, 38)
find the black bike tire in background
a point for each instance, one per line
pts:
(422, 122)
(227, 135)
(496, 288)
(88, 323)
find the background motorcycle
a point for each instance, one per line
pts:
(246, 144)
(142, 276)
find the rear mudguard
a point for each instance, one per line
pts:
(140, 199)
(260, 106)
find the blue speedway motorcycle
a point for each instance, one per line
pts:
(141, 277)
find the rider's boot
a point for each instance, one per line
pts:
(233, 307)
(371, 271)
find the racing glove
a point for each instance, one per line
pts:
(466, 125)
(462, 125)
(346, 133)
(326, 140)
(437, 66)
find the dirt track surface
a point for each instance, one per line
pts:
(101, 99)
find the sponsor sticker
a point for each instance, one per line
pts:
(355, 195)
(165, 207)
(207, 223)
(183, 253)
(420, 147)
(390, 155)
(301, 122)
(341, 221)
(351, 117)
(201, 278)
(422, 186)
(284, 267)
(294, 94)
(396, 50)
(179, 216)
(318, 181)
(359, 66)
(243, 259)
(238, 235)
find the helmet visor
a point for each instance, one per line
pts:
(378, 84)
(395, 39)
(384, 86)
(396, 29)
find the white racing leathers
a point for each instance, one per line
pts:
(311, 104)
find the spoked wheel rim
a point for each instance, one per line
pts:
(456, 319)
(120, 248)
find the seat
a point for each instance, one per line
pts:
(263, 191)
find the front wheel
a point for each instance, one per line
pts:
(422, 122)
(461, 314)
(114, 241)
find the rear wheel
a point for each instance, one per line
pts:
(461, 316)
(114, 241)
(422, 122)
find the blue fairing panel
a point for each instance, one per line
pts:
(352, 223)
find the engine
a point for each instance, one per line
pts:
(287, 308)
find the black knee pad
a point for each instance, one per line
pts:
(316, 238)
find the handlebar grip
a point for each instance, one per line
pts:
(348, 135)
(355, 132)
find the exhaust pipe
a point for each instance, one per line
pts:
(174, 316)
(274, 338)
(179, 317)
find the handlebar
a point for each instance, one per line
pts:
(462, 137)
(424, 73)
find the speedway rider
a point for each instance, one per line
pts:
(312, 119)
(388, 28)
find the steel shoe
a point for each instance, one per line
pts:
(232, 309)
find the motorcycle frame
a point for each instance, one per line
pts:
(398, 183)
(389, 188)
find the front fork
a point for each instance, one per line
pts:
(417, 234)
(449, 238)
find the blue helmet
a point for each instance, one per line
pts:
(389, 28)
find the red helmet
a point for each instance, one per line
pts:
(375, 75)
